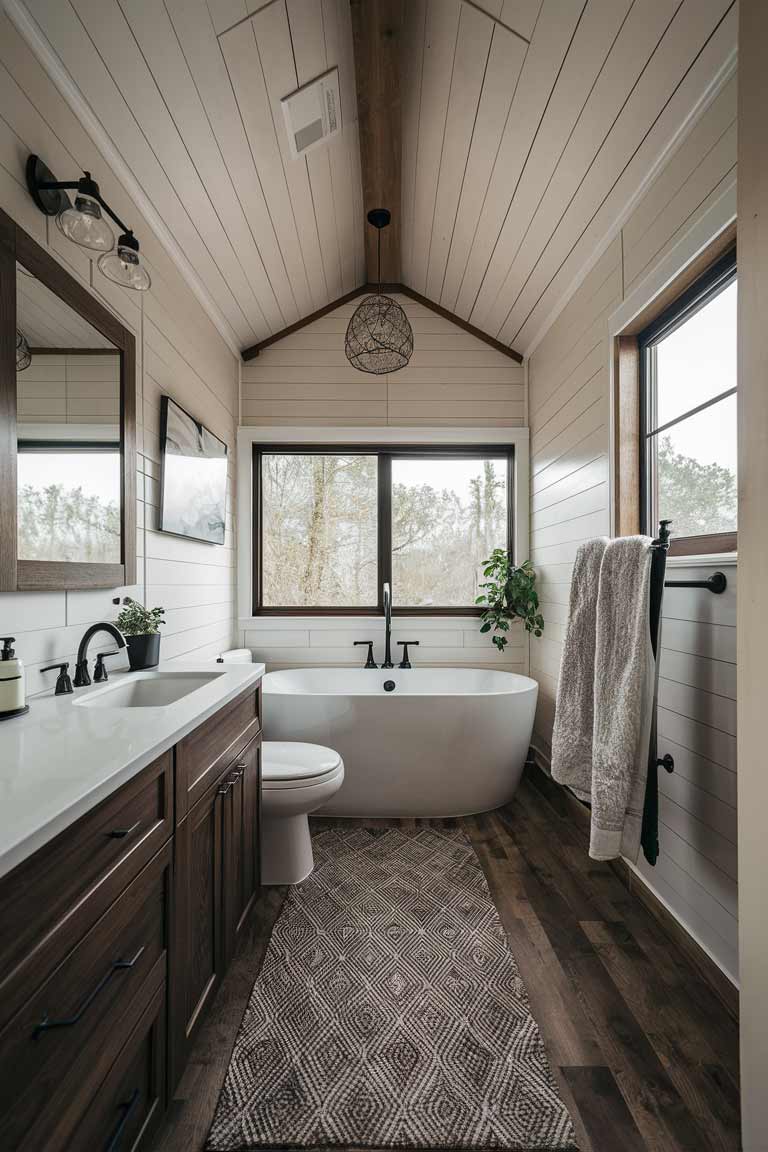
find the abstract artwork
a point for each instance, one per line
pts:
(193, 495)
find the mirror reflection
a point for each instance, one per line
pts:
(68, 431)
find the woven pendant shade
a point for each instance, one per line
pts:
(379, 335)
(23, 354)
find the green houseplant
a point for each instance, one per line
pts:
(141, 628)
(510, 594)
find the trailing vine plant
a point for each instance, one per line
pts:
(510, 594)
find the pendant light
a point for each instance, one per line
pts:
(379, 336)
(124, 266)
(23, 354)
(83, 223)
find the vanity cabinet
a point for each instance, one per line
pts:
(217, 874)
(115, 936)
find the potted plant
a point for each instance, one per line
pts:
(141, 628)
(510, 595)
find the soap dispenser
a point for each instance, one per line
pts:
(12, 698)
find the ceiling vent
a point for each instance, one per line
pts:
(313, 113)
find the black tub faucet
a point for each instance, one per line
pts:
(370, 662)
(82, 676)
(387, 627)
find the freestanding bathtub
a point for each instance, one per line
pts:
(442, 742)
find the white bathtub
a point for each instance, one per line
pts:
(444, 742)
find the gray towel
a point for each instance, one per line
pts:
(572, 732)
(623, 698)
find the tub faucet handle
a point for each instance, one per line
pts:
(370, 662)
(405, 662)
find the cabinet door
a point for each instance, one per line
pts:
(241, 817)
(197, 959)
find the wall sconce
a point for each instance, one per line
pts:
(83, 223)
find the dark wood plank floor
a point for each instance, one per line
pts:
(644, 1052)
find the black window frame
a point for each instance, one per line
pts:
(385, 453)
(704, 289)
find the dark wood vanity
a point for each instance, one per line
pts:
(115, 937)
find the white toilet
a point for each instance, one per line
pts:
(296, 779)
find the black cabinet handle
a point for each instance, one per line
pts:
(121, 833)
(47, 1025)
(126, 1110)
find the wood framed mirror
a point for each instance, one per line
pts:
(67, 428)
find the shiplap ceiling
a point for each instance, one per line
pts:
(47, 322)
(528, 127)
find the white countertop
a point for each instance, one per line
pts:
(60, 760)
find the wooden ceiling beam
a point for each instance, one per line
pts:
(377, 30)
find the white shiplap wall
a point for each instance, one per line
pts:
(569, 421)
(452, 378)
(69, 389)
(451, 641)
(178, 351)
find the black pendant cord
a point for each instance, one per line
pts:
(378, 259)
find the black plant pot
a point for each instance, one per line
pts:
(143, 651)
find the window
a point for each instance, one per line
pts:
(688, 415)
(69, 501)
(332, 526)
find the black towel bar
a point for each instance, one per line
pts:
(716, 583)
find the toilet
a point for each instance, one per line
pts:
(297, 779)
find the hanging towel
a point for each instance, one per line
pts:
(623, 698)
(572, 733)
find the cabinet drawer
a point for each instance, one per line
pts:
(50, 1051)
(50, 901)
(202, 756)
(128, 1108)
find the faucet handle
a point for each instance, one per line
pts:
(100, 671)
(63, 682)
(370, 662)
(405, 662)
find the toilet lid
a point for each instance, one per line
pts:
(286, 760)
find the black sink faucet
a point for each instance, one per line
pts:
(387, 628)
(82, 676)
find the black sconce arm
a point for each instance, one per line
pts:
(40, 179)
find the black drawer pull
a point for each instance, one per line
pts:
(121, 833)
(126, 1110)
(47, 1025)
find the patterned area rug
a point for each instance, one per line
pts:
(389, 1011)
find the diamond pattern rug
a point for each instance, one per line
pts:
(389, 1011)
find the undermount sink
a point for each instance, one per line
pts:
(152, 690)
